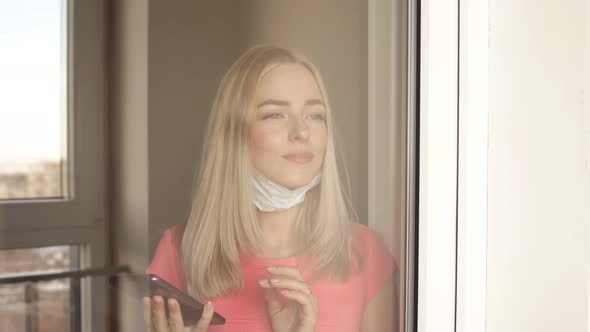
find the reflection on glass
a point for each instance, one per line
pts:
(32, 98)
(36, 306)
(272, 239)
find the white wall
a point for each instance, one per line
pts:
(539, 166)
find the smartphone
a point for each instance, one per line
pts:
(141, 285)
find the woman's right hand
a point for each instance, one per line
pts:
(155, 316)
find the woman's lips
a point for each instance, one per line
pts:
(300, 158)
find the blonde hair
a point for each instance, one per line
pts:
(222, 219)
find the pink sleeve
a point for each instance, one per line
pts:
(379, 264)
(166, 262)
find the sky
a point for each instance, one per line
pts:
(31, 83)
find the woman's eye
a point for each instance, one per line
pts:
(317, 116)
(273, 116)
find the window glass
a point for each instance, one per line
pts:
(32, 98)
(36, 306)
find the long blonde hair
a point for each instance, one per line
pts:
(222, 220)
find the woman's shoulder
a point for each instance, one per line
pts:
(172, 235)
(378, 263)
(166, 259)
(360, 228)
(174, 230)
(170, 240)
(364, 233)
(369, 242)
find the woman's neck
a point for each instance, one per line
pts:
(277, 232)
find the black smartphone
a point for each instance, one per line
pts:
(141, 285)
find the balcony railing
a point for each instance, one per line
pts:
(30, 280)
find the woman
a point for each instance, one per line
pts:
(270, 243)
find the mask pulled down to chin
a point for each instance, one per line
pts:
(270, 196)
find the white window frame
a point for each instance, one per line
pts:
(453, 165)
(81, 219)
(473, 166)
(437, 198)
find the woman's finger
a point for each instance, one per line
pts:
(308, 305)
(159, 314)
(273, 304)
(290, 284)
(203, 323)
(286, 271)
(175, 321)
(147, 313)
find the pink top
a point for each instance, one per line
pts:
(340, 305)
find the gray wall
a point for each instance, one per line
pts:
(191, 44)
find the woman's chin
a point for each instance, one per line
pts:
(295, 183)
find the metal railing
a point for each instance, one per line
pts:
(31, 280)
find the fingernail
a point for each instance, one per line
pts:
(209, 305)
(271, 268)
(158, 300)
(170, 303)
(263, 282)
(274, 280)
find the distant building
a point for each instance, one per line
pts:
(37, 180)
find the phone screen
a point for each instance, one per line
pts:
(141, 285)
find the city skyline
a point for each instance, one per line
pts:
(39, 180)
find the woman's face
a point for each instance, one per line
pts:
(288, 137)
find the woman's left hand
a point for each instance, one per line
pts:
(301, 312)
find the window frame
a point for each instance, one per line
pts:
(391, 139)
(453, 169)
(472, 212)
(81, 219)
(438, 165)
(86, 126)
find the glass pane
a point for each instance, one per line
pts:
(32, 98)
(42, 306)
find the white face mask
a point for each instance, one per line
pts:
(269, 196)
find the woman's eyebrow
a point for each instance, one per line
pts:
(311, 102)
(274, 102)
(277, 102)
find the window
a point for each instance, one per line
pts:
(52, 156)
(33, 61)
(37, 306)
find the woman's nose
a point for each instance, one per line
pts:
(299, 130)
